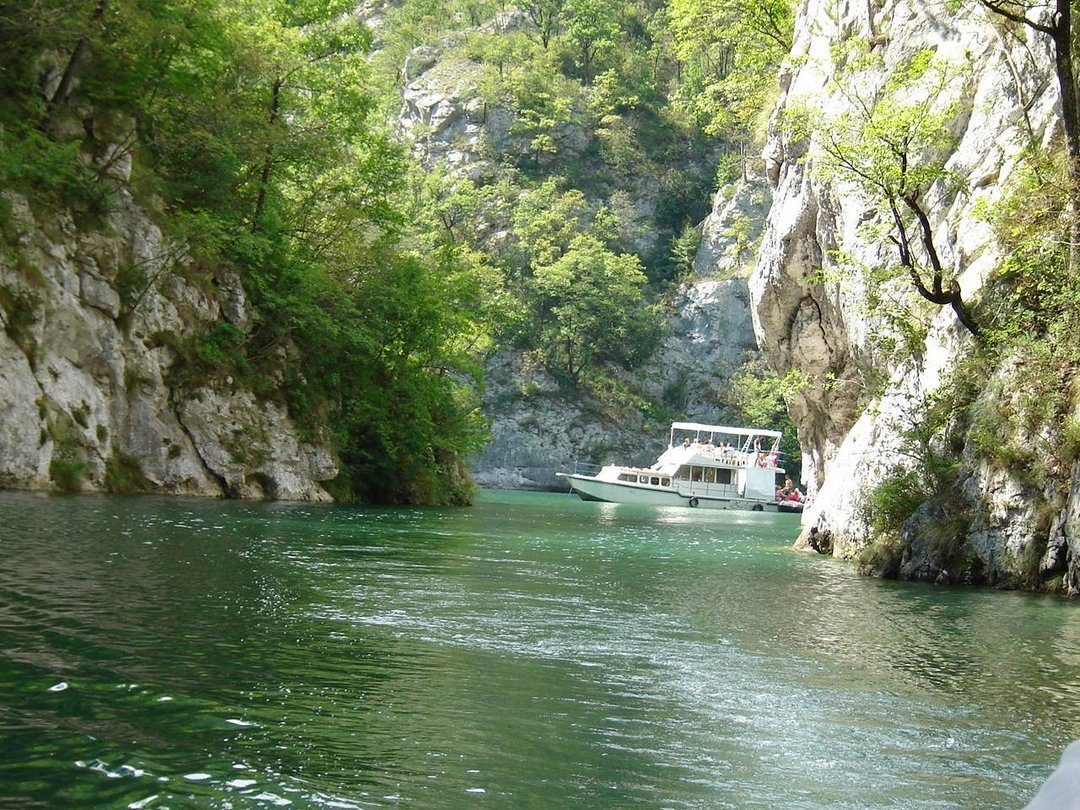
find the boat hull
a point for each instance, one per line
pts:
(590, 488)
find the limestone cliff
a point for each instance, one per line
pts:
(452, 126)
(537, 426)
(538, 429)
(95, 316)
(1013, 531)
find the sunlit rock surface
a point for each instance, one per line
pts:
(87, 350)
(852, 438)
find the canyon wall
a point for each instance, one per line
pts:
(856, 405)
(538, 427)
(97, 316)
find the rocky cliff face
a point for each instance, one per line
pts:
(851, 437)
(94, 320)
(539, 428)
(451, 126)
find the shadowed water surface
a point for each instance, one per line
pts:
(534, 651)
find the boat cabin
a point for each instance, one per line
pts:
(722, 462)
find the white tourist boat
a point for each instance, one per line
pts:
(706, 466)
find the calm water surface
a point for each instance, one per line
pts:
(535, 651)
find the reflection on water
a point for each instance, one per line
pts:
(533, 651)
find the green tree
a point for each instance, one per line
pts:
(253, 124)
(590, 308)
(684, 249)
(593, 27)
(548, 219)
(1054, 19)
(894, 147)
(730, 51)
(546, 16)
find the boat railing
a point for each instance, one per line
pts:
(586, 468)
(704, 488)
(742, 458)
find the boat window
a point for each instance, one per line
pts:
(627, 477)
(723, 476)
(695, 473)
(643, 479)
(654, 481)
(665, 482)
(682, 474)
(710, 475)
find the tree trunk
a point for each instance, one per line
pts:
(1061, 35)
(268, 160)
(1070, 119)
(934, 292)
(78, 55)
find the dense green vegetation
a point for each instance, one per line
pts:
(624, 115)
(260, 133)
(252, 123)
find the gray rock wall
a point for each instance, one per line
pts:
(851, 436)
(85, 386)
(538, 429)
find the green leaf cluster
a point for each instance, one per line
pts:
(759, 397)
(602, 96)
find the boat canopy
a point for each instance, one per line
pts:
(727, 431)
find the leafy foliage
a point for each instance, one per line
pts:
(731, 51)
(601, 98)
(123, 475)
(377, 287)
(592, 299)
(891, 142)
(253, 120)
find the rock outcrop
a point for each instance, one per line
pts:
(852, 427)
(95, 317)
(539, 429)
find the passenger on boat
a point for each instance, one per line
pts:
(783, 492)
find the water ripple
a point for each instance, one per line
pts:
(535, 650)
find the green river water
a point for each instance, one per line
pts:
(533, 651)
